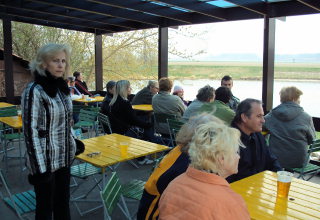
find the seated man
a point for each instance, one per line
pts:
(219, 107)
(145, 95)
(164, 102)
(205, 95)
(256, 156)
(172, 165)
(227, 81)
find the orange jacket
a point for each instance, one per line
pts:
(200, 195)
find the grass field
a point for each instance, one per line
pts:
(242, 70)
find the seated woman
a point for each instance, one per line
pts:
(290, 128)
(202, 191)
(122, 117)
(172, 165)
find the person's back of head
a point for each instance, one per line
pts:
(186, 132)
(165, 84)
(210, 151)
(244, 108)
(110, 85)
(206, 94)
(223, 94)
(290, 94)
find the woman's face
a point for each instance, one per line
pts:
(231, 164)
(56, 65)
(129, 90)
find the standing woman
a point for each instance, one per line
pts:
(47, 118)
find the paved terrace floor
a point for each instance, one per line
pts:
(17, 181)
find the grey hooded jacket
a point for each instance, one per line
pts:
(291, 130)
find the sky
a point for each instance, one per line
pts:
(295, 35)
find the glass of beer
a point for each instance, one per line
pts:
(284, 182)
(124, 149)
(19, 115)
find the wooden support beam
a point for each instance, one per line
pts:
(163, 53)
(8, 62)
(98, 62)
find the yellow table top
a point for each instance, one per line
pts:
(143, 107)
(12, 121)
(90, 100)
(4, 104)
(108, 146)
(260, 193)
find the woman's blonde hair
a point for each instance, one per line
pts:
(210, 141)
(290, 94)
(120, 90)
(45, 53)
(186, 132)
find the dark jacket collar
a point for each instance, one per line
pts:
(51, 85)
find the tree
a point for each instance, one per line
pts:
(128, 55)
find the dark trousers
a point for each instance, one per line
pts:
(52, 194)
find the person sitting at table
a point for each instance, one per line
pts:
(291, 129)
(256, 156)
(172, 165)
(109, 95)
(164, 102)
(80, 84)
(219, 107)
(145, 95)
(205, 95)
(47, 115)
(74, 92)
(178, 91)
(227, 81)
(202, 192)
(122, 117)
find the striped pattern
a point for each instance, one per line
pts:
(47, 129)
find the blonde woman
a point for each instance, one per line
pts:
(291, 129)
(47, 118)
(122, 117)
(202, 191)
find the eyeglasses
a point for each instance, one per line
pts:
(93, 154)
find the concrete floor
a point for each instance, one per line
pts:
(17, 181)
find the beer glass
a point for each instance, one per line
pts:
(19, 115)
(283, 183)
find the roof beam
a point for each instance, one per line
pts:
(312, 4)
(291, 8)
(162, 11)
(123, 15)
(14, 4)
(256, 6)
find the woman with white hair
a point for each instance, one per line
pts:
(47, 118)
(202, 191)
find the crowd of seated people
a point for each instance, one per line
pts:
(233, 123)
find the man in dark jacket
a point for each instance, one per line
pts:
(255, 157)
(145, 95)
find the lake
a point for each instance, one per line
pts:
(253, 89)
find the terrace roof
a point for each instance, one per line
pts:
(112, 16)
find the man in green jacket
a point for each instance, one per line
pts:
(219, 107)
